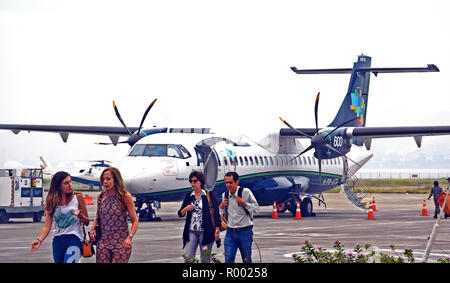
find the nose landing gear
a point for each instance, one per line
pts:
(145, 211)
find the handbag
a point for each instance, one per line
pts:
(98, 234)
(223, 221)
(87, 246)
(98, 230)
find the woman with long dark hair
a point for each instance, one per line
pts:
(68, 210)
(115, 204)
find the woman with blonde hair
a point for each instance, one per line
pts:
(68, 210)
(114, 205)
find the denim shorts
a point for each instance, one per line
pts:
(66, 249)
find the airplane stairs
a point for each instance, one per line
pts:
(355, 192)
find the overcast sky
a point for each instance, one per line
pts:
(219, 64)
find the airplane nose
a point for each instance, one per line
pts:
(140, 183)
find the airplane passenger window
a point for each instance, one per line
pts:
(225, 161)
(309, 161)
(261, 161)
(241, 162)
(266, 161)
(246, 160)
(271, 160)
(251, 161)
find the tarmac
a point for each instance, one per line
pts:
(397, 222)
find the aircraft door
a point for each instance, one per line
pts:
(210, 165)
(211, 162)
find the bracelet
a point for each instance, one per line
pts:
(40, 241)
(131, 235)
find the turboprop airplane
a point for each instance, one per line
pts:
(276, 168)
(89, 176)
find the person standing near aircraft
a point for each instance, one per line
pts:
(115, 204)
(238, 206)
(435, 192)
(202, 225)
(68, 210)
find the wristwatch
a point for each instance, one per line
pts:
(131, 235)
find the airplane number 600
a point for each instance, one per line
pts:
(338, 141)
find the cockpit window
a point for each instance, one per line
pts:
(169, 150)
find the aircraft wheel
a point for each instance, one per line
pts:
(4, 218)
(293, 204)
(306, 207)
(37, 217)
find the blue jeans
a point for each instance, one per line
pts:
(195, 241)
(66, 249)
(241, 240)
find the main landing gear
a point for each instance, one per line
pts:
(145, 211)
(306, 205)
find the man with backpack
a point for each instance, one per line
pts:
(237, 206)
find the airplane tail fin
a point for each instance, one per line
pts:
(356, 99)
(46, 167)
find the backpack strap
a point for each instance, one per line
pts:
(240, 190)
(239, 194)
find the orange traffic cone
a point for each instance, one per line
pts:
(374, 206)
(370, 214)
(424, 209)
(275, 212)
(298, 214)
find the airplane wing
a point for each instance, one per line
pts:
(113, 132)
(369, 133)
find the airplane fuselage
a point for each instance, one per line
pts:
(158, 168)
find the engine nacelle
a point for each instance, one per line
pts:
(338, 140)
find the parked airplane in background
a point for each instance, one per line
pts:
(89, 176)
(276, 168)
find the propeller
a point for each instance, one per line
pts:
(133, 137)
(318, 141)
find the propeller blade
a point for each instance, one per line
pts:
(145, 115)
(316, 108)
(356, 118)
(120, 118)
(294, 129)
(309, 148)
(333, 149)
(320, 170)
